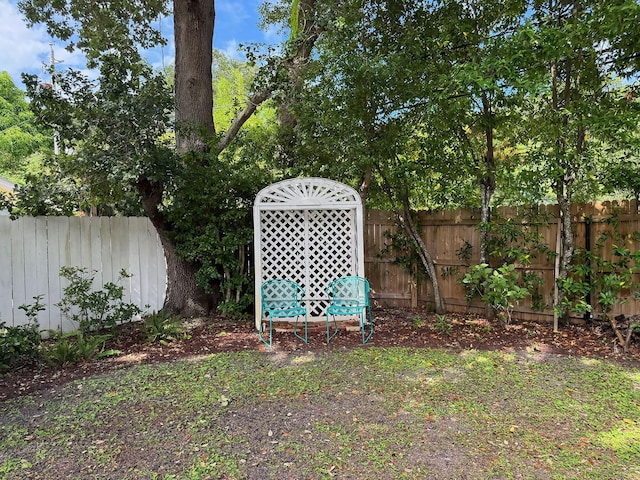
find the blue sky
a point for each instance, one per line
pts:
(25, 50)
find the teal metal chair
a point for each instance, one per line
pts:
(282, 299)
(350, 296)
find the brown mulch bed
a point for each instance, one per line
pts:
(394, 328)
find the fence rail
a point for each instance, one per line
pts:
(32, 250)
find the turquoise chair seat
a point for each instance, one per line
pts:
(350, 296)
(282, 298)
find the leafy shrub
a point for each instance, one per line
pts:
(73, 347)
(23, 340)
(162, 327)
(498, 288)
(94, 310)
(213, 227)
(17, 342)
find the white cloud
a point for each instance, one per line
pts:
(21, 49)
(230, 49)
(234, 12)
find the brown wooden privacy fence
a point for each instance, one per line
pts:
(445, 233)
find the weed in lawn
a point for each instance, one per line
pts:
(623, 439)
(13, 436)
(11, 466)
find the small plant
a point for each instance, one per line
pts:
(162, 327)
(498, 288)
(73, 347)
(418, 322)
(443, 325)
(32, 310)
(21, 341)
(94, 310)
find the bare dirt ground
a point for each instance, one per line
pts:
(394, 328)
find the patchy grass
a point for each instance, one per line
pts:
(369, 413)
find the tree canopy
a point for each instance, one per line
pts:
(20, 137)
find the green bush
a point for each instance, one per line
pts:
(499, 288)
(21, 341)
(73, 347)
(17, 342)
(94, 310)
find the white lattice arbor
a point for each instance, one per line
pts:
(309, 230)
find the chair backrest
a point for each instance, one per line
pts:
(349, 292)
(280, 293)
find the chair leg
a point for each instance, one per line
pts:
(363, 316)
(330, 336)
(270, 343)
(305, 339)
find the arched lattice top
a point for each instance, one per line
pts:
(305, 193)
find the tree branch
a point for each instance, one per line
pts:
(241, 117)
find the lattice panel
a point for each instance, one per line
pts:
(311, 248)
(282, 245)
(331, 252)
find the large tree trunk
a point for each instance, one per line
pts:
(193, 29)
(184, 297)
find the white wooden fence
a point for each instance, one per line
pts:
(32, 250)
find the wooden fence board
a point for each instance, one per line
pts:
(19, 294)
(41, 280)
(54, 294)
(30, 260)
(105, 248)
